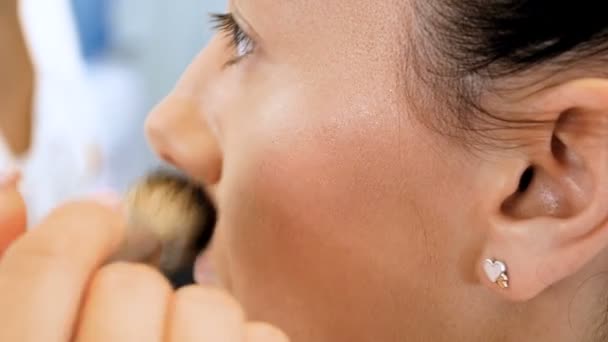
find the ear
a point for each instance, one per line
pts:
(549, 215)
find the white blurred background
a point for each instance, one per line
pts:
(134, 52)
(100, 66)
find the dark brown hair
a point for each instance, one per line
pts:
(464, 46)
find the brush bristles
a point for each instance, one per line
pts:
(170, 221)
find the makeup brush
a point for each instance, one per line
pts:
(170, 221)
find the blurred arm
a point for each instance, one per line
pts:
(16, 80)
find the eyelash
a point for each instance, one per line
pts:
(242, 44)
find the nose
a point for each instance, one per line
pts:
(180, 134)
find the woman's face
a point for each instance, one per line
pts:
(336, 205)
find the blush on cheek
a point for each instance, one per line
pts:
(302, 185)
(297, 233)
(285, 206)
(300, 191)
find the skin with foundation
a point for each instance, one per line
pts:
(364, 162)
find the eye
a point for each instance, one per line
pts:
(240, 42)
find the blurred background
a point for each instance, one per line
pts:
(99, 67)
(134, 52)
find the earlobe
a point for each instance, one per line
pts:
(556, 221)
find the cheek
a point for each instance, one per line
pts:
(314, 204)
(321, 172)
(328, 203)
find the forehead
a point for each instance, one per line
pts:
(355, 11)
(356, 27)
(355, 46)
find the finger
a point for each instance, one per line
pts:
(12, 216)
(263, 332)
(202, 314)
(126, 303)
(43, 275)
(10, 178)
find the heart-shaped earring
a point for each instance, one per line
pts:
(496, 271)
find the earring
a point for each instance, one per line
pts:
(496, 271)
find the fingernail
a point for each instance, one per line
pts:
(203, 271)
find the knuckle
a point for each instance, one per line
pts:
(39, 264)
(72, 234)
(122, 276)
(259, 331)
(54, 248)
(72, 241)
(76, 214)
(85, 207)
(40, 260)
(195, 296)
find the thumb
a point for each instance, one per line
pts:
(12, 212)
